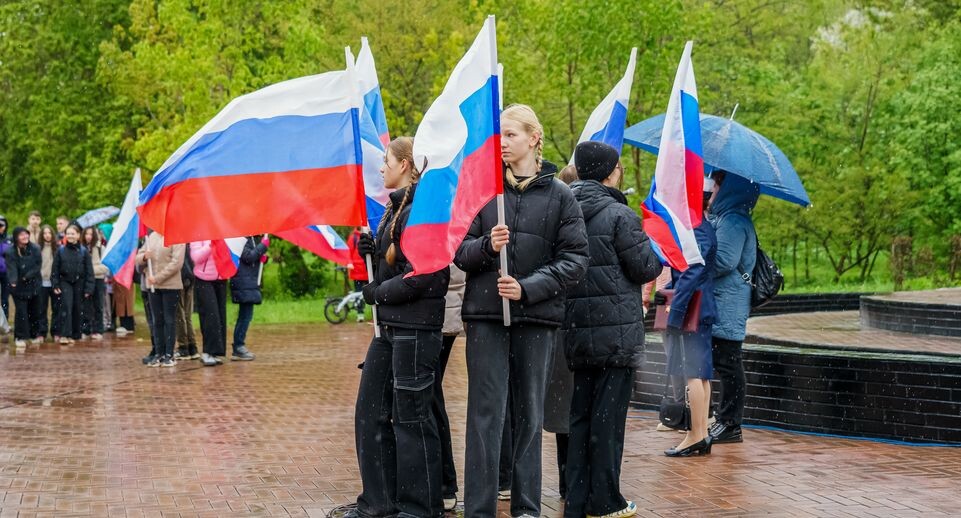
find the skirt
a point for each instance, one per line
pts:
(689, 354)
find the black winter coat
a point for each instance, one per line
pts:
(415, 302)
(244, 288)
(547, 253)
(23, 269)
(604, 324)
(72, 264)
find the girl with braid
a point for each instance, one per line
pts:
(396, 433)
(547, 256)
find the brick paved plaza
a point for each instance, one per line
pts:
(87, 430)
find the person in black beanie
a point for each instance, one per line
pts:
(604, 334)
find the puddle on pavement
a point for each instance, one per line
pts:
(57, 402)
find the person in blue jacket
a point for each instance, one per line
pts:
(736, 255)
(689, 353)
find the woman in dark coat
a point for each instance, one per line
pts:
(547, 256)
(604, 334)
(72, 279)
(245, 291)
(398, 444)
(23, 271)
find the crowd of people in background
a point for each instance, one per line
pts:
(62, 291)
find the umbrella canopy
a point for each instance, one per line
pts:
(735, 148)
(92, 217)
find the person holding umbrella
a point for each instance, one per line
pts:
(736, 254)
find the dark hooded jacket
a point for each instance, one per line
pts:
(415, 302)
(244, 288)
(604, 324)
(72, 264)
(23, 267)
(547, 253)
(736, 254)
(697, 277)
(4, 246)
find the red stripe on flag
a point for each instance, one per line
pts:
(431, 246)
(694, 178)
(220, 253)
(659, 232)
(315, 242)
(248, 204)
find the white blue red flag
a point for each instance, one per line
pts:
(673, 207)
(459, 141)
(285, 156)
(606, 124)
(122, 247)
(374, 136)
(321, 240)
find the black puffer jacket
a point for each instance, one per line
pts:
(23, 269)
(547, 253)
(244, 288)
(72, 264)
(604, 324)
(415, 302)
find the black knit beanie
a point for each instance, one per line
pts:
(594, 160)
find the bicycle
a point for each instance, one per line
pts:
(337, 309)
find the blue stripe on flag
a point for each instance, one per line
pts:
(374, 104)
(612, 133)
(691, 124)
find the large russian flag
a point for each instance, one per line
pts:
(283, 157)
(606, 124)
(321, 240)
(374, 136)
(459, 140)
(122, 247)
(673, 207)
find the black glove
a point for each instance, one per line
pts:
(369, 293)
(365, 244)
(659, 298)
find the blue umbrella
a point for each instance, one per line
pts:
(92, 217)
(734, 148)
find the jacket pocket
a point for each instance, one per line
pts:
(413, 397)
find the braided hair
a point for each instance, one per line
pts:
(402, 148)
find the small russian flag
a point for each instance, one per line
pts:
(606, 124)
(121, 249)
(321, 240)
(674, 206)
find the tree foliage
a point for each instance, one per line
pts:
(859, 94)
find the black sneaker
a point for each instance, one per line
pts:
(148, 359)
(181, 354)
(242, 354)
(722, 433)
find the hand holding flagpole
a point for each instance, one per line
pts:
(260, 273)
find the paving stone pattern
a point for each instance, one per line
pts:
(88, 431)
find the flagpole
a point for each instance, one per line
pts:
(498, 101)
(260, 273)
(355, 123)
(150, 272)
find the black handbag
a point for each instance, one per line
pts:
(766, 280)
(673, 413)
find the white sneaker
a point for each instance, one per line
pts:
(450, 504)
(661, 427)
(20, 343)
(97, 336)
(37, 341)
(504, 494)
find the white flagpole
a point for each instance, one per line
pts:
(501, 217)
(260, 273)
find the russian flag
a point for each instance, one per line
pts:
(122, 247)
(226, 255)
(459, 141)
(374, 136)
(321, 240)
(285, 156)
(606, 124)
(673, 207)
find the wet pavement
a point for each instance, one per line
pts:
(88, 430)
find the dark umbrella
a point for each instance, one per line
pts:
(735, 148)
(92, 217)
